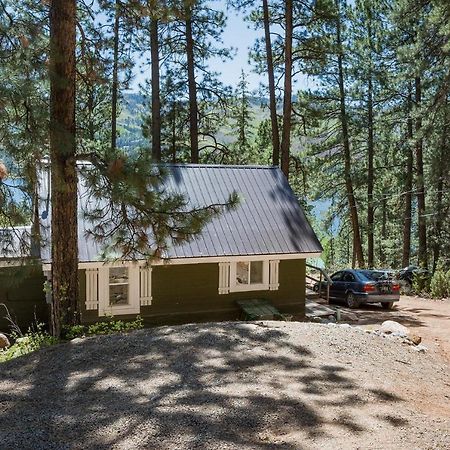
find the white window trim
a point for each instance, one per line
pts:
(227, 276)
(139, 289)
(133, 306)
(236, 287)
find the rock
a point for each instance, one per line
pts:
(395, 328)
(420, 348)
(415, 339)
(4, 342)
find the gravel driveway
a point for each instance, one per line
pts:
(228, 385)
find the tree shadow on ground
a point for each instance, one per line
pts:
(196, 386)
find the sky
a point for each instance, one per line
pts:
(241, 36)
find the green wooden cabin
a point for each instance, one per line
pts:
(257, 250)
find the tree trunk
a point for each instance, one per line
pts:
(370, 154)
(383, 229)
(156, 101)
(287, 102)
(193, 107)
(63, 165)
(115, 79)
(440, 214)
(272, 98)
(420, 183)
(174, 132)
(408, 187)
(347, 156)
(370, 177)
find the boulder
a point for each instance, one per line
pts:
(415, 339)
(395, 328)
(4, 342)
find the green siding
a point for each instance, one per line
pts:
(189, 293)
(21, 290)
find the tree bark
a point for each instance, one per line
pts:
(370, 156)
(156, 101)
(440, 214)
(346, 145)
(272, 97)
(383, 229)
(287, 101)
(193, 106)
(63, 165)
(408, 188)
(420, 183)
(115, 78)
(370, 177)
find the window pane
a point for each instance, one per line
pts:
(242, 273)
(118, 294)
(256, 272)
(118, 275)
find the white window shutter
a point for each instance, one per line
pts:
(273, 274)
(145, 286)
(224, 278)
(91, 289)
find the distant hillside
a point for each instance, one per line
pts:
(135, 107)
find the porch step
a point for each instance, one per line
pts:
(314, 310)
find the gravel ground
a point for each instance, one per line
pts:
(227, 386)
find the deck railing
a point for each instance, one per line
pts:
(322, 277)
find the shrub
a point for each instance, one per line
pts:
(421, 283)
(440, 284)
(34, 339)
(108, 326)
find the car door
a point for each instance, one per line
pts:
(349, 283)
(336, 288)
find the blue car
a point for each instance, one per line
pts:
(357, 287)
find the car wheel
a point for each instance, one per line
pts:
(387, 305)
(352, 301)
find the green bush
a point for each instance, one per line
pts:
(440, 284)
(34, 339)
(421, 284)
(108, 326)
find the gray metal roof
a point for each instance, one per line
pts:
(268, 219)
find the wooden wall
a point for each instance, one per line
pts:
(189, 293)
(21, 290)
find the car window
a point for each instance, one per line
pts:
(336, 276)
(372, 275)
(348, 277)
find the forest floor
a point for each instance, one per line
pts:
(262, 385)
(427, 318)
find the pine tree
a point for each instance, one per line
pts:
(64, 212)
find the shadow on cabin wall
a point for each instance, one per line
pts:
(22, 291)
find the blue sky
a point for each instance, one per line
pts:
(239, 35)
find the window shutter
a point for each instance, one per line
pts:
(91, 289)
(273, 274)
(224, 278)
(145, 286)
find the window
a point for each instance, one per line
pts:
(118, 286)
(118, 290)
(249, 276)
(250, 272)
(348, 277)
(336, 276)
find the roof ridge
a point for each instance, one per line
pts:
(220, 166)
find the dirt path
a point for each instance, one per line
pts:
(427, 318)
(238, 386)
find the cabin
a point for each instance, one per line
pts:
(257, 250)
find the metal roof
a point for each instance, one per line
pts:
(268, 219)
